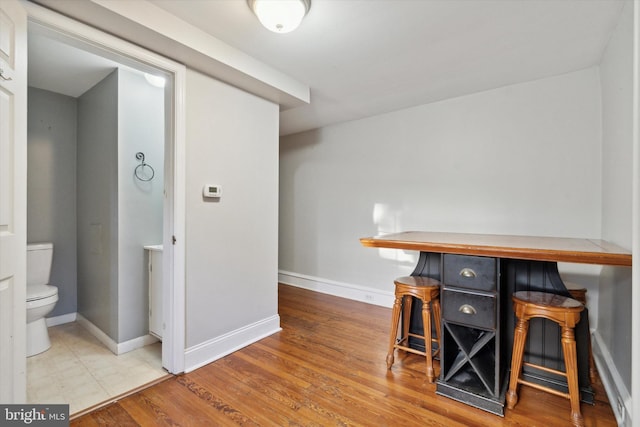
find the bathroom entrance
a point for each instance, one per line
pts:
(95, 188)
(100, 186)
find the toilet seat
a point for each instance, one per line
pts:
(40, 301)
(38, 292)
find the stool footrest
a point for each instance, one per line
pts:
(410, 350)
(404, 345)
(545, 369)
(417, 336)
(543, 388)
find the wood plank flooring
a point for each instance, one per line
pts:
(325, 368)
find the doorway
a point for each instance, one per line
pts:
(110, 48)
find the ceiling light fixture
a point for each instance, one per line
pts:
(280, 16)
(156, 81)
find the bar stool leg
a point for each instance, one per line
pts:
(580, 294)
(571, 363)
(519, 340)
(435, 307)
(395, 318)
(407, 303)
(426, 322)
(593, 373)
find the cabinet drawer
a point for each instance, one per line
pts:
(469, 309)
(472, 272)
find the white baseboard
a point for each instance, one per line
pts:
(214, 349)
(339, 289)
(617, 392)
(136, 343)
(114, 347)
(60, 320)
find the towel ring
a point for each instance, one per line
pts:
(139, 171)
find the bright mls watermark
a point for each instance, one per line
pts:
(34, 415)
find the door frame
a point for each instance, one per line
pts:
(634, 409)
(13, 218)
(95, 41)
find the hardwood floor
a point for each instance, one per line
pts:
(326, 368)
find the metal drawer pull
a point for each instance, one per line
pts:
(467, 309)
(468, 273)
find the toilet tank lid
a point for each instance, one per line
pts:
(35, 292)
(39, 246)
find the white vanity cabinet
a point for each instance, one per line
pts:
(155, 290)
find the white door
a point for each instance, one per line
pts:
(13, 205)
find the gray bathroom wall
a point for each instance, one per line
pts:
(141, 128)
(51, 187)
(97, 205)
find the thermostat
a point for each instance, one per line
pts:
(212, 190)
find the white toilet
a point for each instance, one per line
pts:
(41, 297)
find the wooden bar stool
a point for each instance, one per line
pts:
(566, 313)
(428, 291)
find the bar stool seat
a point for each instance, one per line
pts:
(428, 291)
(566, 313)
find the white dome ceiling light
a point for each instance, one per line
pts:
(157, 81)
(280, 16)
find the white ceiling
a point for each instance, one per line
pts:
(61, 68)
(366, 57)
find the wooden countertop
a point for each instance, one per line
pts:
(556, 249)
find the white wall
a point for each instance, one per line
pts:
(140, 203)
(231, 243)
(522, 159)
(613, 338)
(616, 71)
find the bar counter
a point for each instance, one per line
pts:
(554, 249)
(475, 352)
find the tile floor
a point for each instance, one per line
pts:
(79, 370)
